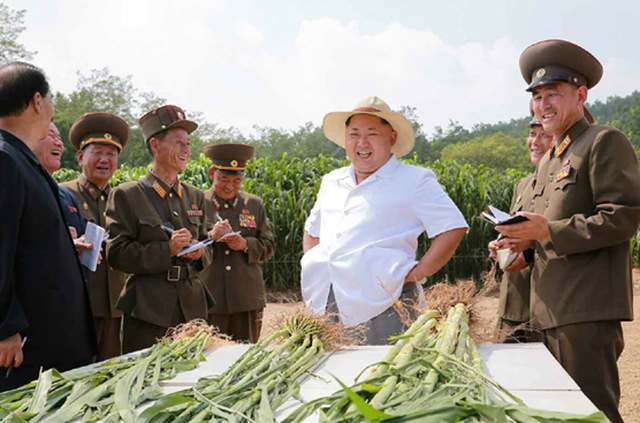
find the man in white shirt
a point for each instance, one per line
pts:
(361, 236)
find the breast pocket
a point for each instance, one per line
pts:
(194, 224)
(150, 229)
(563, 183)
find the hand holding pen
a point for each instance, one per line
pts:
(221, 228)
(18, 357)
(180, 239)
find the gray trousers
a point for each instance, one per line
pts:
(389, 323)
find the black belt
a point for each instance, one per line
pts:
(181, 272)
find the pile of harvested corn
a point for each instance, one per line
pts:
(110, 390)
(433, 373)
(261, 380)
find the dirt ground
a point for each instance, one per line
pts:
(485, 309)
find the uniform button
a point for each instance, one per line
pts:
(170, 195)
(226, 206)
(226, 252)
(175, 213)
(546, 203)
(228, 268)
(102, 197)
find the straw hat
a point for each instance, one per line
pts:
(334, 124)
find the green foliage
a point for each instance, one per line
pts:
(497, 151)
(289, 186)
(11, 26)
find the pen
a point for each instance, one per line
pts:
(13, 362)
(500, 236)
(167, 229)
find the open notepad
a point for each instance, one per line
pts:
(498, 217)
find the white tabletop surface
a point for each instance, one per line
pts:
(528, 371)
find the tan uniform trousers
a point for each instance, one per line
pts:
(241, 327)
(589, 352)
(108, 336)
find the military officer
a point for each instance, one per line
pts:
(234, 276)
(513, 307)
(586, 209)
(99, 139)
(150, 221)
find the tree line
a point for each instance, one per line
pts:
(500, 145)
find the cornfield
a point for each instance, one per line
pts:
(289, 186)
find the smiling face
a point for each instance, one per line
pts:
(98, 162)
(173, 151)
(49, 149)
(538, 143)
(226, 186)
(368, 143)
(559, 106)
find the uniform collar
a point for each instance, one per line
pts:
(220, 202)
(161, 188)
(568, 137)
(92, 189)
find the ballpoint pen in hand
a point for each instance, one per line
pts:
(167, 229)
(13, 362)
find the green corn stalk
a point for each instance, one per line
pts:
(110, 390)
(259, 382)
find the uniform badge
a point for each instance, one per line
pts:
(563, 173)
(73, 209)
(158, 189)
(194, 212)
(234, 163)
(560, 148)
(247, 220)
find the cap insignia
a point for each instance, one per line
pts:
(540, 73)
(234, 163)
(108, 136)
(180, 115)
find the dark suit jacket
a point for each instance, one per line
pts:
(72, 211)
(42, 291)
(590, 193)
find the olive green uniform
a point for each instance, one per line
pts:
(513, 306)
(588, 188)
(161, 291)
(106, 283)
(234, 278)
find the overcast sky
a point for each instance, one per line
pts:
(283, 63)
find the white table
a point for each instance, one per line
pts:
(528, 371)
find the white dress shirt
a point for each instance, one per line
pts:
(368, 236)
